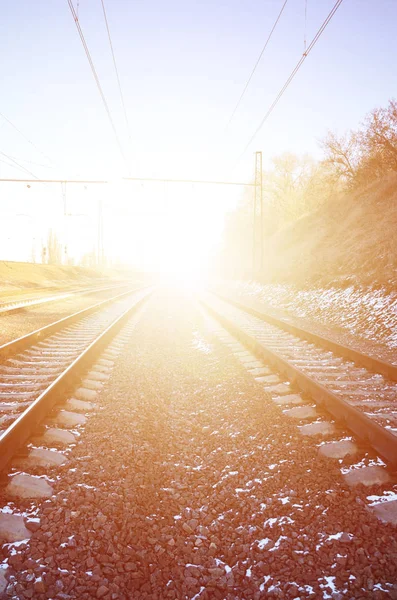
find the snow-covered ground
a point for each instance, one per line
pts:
(367, 314)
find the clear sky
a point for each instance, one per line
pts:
(183, 65)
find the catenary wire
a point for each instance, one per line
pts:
(30, 162)
(4, 162)
(304, 33)
(116, 69)
(292, 75)
(96, 78)
(18, 165)
(256, 64)
(25, 138)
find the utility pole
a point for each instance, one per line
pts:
(100, 234)
(258, 204)
(65, 227)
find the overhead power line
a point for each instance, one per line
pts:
(116, 69)
(304, 32)
(26, 138)
(294, 72)
(96, 78)
(257, 63)
(4, 162)
(159, 180)
(30, 162)
(85, 181)
(18, 165)
(146, 179)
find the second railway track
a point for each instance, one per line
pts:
(37, 367)
(17, 304)
(358, 390)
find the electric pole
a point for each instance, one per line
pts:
(101, 256)
(65, 227)
(258, 207)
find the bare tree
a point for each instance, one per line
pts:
(54, 248)
(365, 155)
(295, 185)
(342, 155)
(379, 137)
(89, 259)
(33, 252)
(282, 185)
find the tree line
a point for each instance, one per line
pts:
(350, 161)
(295, 185)
(362, 156)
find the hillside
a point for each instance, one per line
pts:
(350, 240)
(16, 276)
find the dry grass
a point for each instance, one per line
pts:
(16, 275)
(351, 240)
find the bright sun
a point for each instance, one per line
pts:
(171, 231)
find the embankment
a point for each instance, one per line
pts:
(16, 276)
(351, 240)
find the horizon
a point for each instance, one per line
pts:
(178, 105)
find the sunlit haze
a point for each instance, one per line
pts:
(182, 68)
(198, 293)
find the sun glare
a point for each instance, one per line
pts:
(173, 232)
(174, 229)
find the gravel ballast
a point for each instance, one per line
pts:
(29, 319)
(189, 483)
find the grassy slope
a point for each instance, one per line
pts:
(15, 275)
(352, 240)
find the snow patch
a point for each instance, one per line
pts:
(263, 543)
(386, 497)
(265, 580)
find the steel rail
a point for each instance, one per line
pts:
(8, 297)
(365, 428)
(369, 362)
(14, 306)
(37, 293)
(21, 429)
(23, 342)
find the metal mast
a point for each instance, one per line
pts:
(258, 208)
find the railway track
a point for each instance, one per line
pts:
(17, 304)
(186, 483)
(37, 369)
(360, 391)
